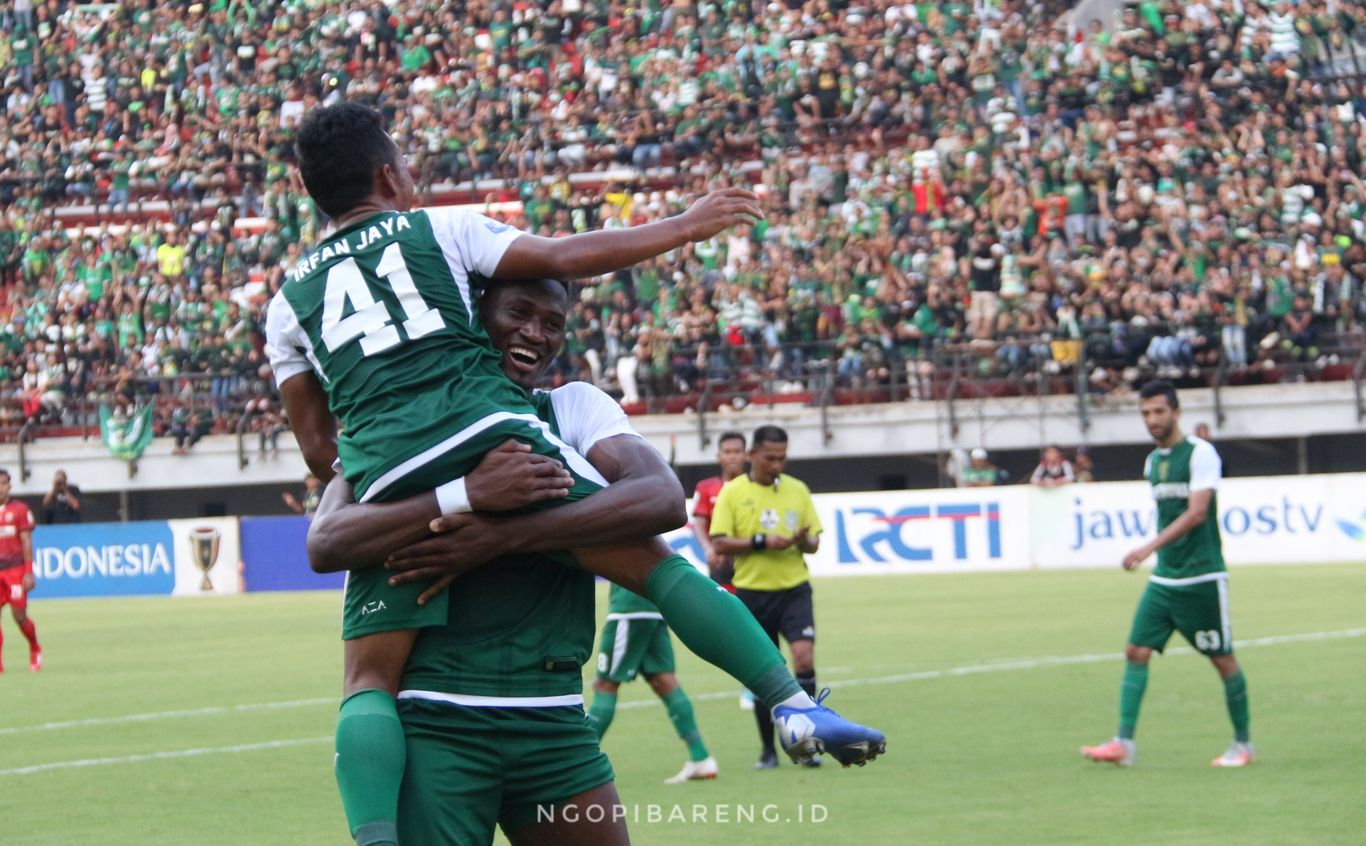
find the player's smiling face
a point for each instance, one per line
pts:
(525, 322)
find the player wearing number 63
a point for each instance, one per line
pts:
(1188, 592)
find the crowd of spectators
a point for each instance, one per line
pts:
(1179, 189)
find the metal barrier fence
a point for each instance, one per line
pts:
(706, 378)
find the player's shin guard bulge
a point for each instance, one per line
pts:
(369, 763)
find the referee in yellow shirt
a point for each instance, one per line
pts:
(767, 522)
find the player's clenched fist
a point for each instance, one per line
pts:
(721, 210)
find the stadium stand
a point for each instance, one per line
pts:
(960, 196)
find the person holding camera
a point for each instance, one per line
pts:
(62, 504)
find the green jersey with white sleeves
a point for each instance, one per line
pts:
(1174, 473)
(383, 312)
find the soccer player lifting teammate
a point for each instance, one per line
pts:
(492, 701)
(378, 326)
(1188, 592)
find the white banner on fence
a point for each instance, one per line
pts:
(1264, 520)
(929, 531)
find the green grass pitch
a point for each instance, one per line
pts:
(204, 722)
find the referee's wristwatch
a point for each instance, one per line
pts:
(759, 542)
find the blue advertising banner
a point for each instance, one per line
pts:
(275, 555)
(104, 559)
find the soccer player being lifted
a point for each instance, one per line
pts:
(1188, 592)
(492, 701)
(377, 327)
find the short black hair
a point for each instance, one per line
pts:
(4, 472)
(769, 435)
(483, 287)
(1160, 388)
(732, 435)
(340, 148)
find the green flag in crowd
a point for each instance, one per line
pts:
(126, 437)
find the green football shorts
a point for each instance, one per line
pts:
(634, 645)
(1198, 610)
(369, 603)
(470, 769)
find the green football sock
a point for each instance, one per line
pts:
(1235, 695)
(369, 764)
(679, 707)
(602, 710)
(719, 629)
(1131, 697)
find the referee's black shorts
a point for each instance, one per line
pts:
(786, 612)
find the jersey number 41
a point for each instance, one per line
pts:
(371, 321)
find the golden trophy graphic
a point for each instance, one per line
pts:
(204, 550)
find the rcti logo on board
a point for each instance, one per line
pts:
(938, 533)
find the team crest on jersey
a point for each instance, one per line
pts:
(769, 519)
(793, 521)
(1162, 471)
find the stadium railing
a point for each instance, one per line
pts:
(23, 419)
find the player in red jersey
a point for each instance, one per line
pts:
(731, 456)
(16, 568)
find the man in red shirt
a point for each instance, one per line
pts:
(16, 567)
(731, 456)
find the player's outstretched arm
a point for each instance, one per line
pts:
(592, 253)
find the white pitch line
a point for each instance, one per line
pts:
(163, 715)
(925, 675)
(1005, 665)
(162, 756)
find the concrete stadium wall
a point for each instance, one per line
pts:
(913, 433)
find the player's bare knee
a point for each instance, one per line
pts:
(663, 683)
(605, 686)
(1226, 665)
(1137, 654)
